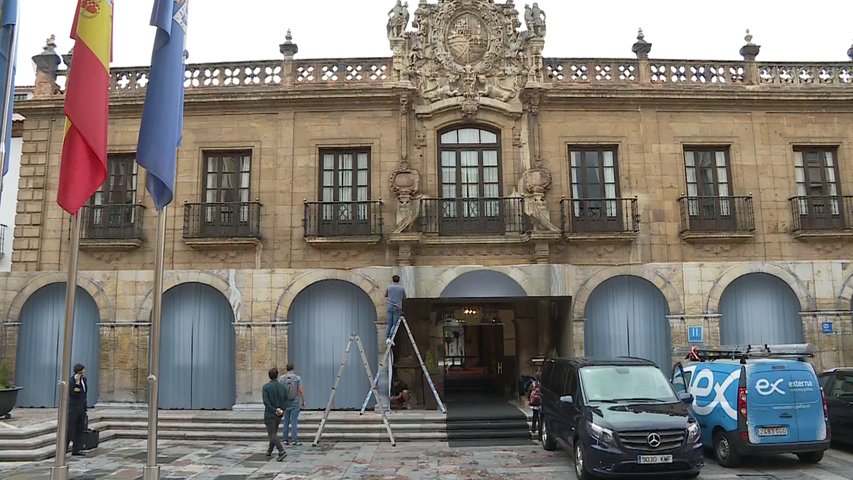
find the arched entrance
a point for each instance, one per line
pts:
(197, 349)
(322, 318)
(483, 284)
(39, 353)
(627, 316)
(760, 308)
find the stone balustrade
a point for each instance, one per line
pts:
(561, 72)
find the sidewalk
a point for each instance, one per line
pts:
(124, 459)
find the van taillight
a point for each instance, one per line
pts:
(825, 413)
(741, 401)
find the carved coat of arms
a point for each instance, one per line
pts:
(467, 49)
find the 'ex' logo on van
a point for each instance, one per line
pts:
(765, 388)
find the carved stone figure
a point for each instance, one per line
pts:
(398, 20)
(467, 50)
(534, 17)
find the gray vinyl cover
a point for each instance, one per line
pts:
(197, 349)
(322, 318)
(39, 354)
(483, 284)
(760, 308)
(627, 316)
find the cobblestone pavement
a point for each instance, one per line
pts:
(123, 459)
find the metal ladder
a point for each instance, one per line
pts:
(357, 339)
(389, 355)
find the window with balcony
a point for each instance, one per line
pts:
(595, 206)
(344, 208)
(818, 204)
(112, 212)
(470, 202)
(226, 209)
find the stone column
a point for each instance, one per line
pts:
(288, 49)
(749, 52)
(641, 49)
(47, 66)
(578, 334)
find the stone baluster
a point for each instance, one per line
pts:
(47, 65)
(289, 50)
(749, 52)
(641, 49)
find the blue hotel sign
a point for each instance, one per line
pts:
(826, 327)
(695, 334)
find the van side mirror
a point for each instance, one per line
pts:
(567, 399)
(685, 397)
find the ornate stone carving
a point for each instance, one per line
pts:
(717, 248)
(534, 17)
(398, 19)
(469, 50)
(827, 248)
(405, 183)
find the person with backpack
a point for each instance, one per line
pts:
(294, 402)
(534, 399)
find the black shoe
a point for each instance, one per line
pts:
(78, 454)
(269, 453)
(281, 456)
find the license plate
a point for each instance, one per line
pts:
(773, 431)
(653, 459)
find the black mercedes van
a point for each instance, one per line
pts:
(619, 418)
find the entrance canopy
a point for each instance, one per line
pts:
(483, 284)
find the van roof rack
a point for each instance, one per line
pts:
(798, 351)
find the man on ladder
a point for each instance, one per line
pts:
(394, 296)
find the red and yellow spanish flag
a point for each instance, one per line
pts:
(87, 103)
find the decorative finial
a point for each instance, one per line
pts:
(641, 48)
(288, 48)
(50, 44)
(850, 52)
(750, 50)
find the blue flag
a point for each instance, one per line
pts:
(8, 23)
(163, 113)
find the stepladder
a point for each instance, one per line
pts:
(385, 363)
(354, 338)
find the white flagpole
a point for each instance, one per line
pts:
(152, 471)
(59, 471)
(4, 124)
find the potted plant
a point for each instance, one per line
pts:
(8, 393)
(437, 380)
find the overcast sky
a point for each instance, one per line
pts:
(229, 30)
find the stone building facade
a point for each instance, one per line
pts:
(531, 205)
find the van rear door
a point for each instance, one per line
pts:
(811, 426)
(771, 408)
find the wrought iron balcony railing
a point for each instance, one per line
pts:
(222, 220)
(716, 214)
(111, 222)
(472, 216)
(2, 241)
(821, 213)
(343, 219)
(600, 215)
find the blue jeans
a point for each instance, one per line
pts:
(393, 316)
(291, 420)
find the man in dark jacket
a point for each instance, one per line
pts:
(77, 408)
(275, 398)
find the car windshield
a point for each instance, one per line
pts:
(626, 383)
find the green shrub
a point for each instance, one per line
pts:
(431, 363)
(5, 378)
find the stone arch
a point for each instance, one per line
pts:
(92, 287)
(807, 301)
(580, 299)
(300, 283)
(451, 274)
(175, 279)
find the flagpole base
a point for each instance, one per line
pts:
(59, 473)
(151, 473)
